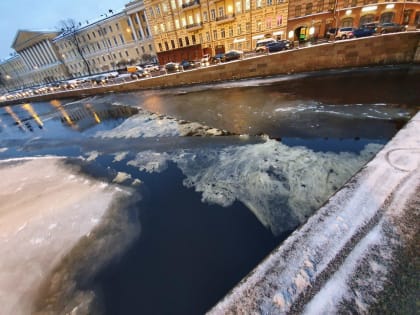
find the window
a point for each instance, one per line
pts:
(143, 50)
(279, 20)
(248, 27)
(259, 3)
(269, 2)
(126, 53)
(110, 28)
(247, 5)
(308, 9)
(239, 29)
(205, 16)
(166, 46)
(115, 41)
(230, 31)
(122, 39)
(214, 35)
(222, 33)
(160, 47)
(213, 14)
(193, 39)
(177, 24)
(180, 42)
(259, 25)
(137, 51)
(117, 26)
(172, 44)
(157, 10)
(151, 13)
(187, 41)
(297, 10)
(238, 7)
(221, 12)
(94, 35)
(320, 6)
(88, 36)
(208, 36)
(268, 23)
(99, 46)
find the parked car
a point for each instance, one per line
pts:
(172, 67)
(218, 58)
(345, 32)
(151, 67)
(363, 32)
(141, 73)
(279, 45)
(205, 60)
(371, 25)
(233, 55)
(331, 32)
(99, 79)
(262, 44)
(185, 64)
(389, 28)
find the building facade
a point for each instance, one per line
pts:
(41, 62)
(110, 43)
(13, 74)
(311, 19)
(187, 30)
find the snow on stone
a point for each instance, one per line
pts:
(275, 286)
(41, 223)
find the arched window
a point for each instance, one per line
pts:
(366, 19)
(387, 17)
(347, 22)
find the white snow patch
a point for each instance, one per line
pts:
(93, 155)
(120, 156)
(3, 150)
(121, 177)
(31, 245)
(150, 161)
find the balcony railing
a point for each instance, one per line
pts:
(193, 27)
(225, 18)
(191, 4)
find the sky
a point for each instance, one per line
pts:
(46, 15)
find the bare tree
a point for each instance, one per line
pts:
(70, 32)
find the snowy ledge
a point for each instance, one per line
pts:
(339, 259)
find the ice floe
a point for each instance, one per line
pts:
(38, 234)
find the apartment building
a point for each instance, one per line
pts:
(188, 29)
(109, 43)
(312, 18)
(13, 74)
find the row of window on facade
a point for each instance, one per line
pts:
(246, 5)
(111, 57)
(269, 23)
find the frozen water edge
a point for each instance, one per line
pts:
(306, 263)
(36, 234)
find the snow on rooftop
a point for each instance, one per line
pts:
(46, 208)
(301, 262)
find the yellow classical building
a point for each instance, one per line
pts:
(107, 44)
(185, 29)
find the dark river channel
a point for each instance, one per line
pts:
(211, 208)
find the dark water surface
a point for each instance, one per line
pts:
(212, 208)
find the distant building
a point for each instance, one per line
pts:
(189, 29)
(13, 74)
(41, 62)
(110, 43)
(312, 19)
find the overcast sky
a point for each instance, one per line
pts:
(46, 15)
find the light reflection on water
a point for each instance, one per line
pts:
(212, 208)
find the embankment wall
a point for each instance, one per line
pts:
(388, 49)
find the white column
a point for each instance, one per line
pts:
(147, 24)
(53, 52)
(140, 26)
(26, 59)
(47, 50)
(35, 56)
(132, 27)
(44, 53)
(40, 55)
(32, 56)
